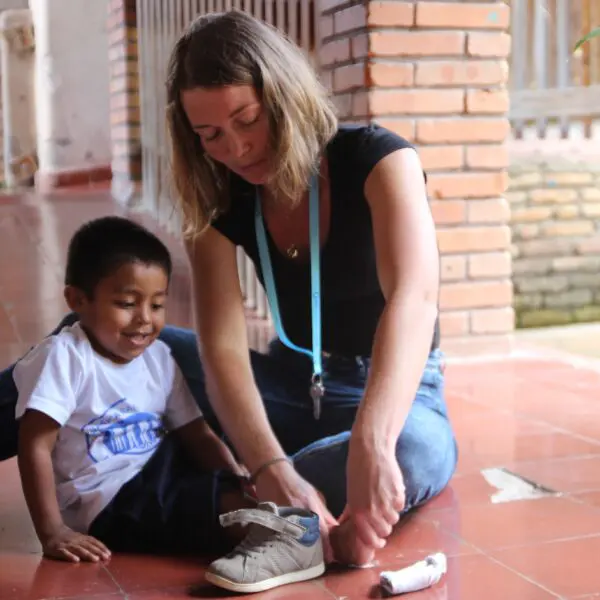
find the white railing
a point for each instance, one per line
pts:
(18, 156)
(159, 24)
(555, 91)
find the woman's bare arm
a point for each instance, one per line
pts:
(221, 325)
(408, 270)
(223, 341)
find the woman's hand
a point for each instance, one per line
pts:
(280, 483)
(375, 492)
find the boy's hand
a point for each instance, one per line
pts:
(69, 545)
(37, 437)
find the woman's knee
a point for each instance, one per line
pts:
(179, 337)
(427, 455)
(184, 348)
(323, 464)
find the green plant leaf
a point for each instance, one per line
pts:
(592, 34)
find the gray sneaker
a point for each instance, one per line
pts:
(283, 546)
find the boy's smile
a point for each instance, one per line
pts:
(127, 311)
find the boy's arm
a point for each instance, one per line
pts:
(206, 449)
(37, 437)
(185, 419)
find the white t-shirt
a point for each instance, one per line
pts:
(112, 416)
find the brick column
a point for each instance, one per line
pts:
(435, 73)
(124, 97)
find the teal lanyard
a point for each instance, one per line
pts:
(316, 388)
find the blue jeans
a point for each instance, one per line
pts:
(426, 449)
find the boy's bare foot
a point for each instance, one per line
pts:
(347, 546)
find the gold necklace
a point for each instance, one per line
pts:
(292, 251)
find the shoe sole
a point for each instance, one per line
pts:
(267, 584)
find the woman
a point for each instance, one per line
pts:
(251, 130)
(337, 222)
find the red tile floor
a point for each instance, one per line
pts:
(535, 413)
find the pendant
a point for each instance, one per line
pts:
(317, 391)
(292, 251)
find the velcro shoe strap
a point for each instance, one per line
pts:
(261, 517)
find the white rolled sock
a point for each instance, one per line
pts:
(421, 575)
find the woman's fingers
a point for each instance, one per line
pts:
(369, 535)
(326, 522)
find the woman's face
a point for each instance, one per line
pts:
(233, 128)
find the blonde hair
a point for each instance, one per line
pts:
(234, 48)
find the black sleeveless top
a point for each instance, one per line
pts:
(352, 300)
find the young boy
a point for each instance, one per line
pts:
(104, 410)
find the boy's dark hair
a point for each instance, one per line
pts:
(101, 246)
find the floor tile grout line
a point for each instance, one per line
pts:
(523, 576)
(513, 468)
(456, 537)
(521, 416)
(573, 497)
(558, 459)
(481, 552)
(460, 539)
(507, 567)
(319, 583)
(510, 466)
(115, 581)
(117, 595)
(559, 540)
(510, 546)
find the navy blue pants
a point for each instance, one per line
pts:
(166, 508)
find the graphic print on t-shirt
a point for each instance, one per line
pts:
(122, 429)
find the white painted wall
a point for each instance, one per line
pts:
(72, 84)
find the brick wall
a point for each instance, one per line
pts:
(435, 73)
(556, 239)
(124, 90)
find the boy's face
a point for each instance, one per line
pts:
(127, 311)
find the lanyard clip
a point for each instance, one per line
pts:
(317, 391)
